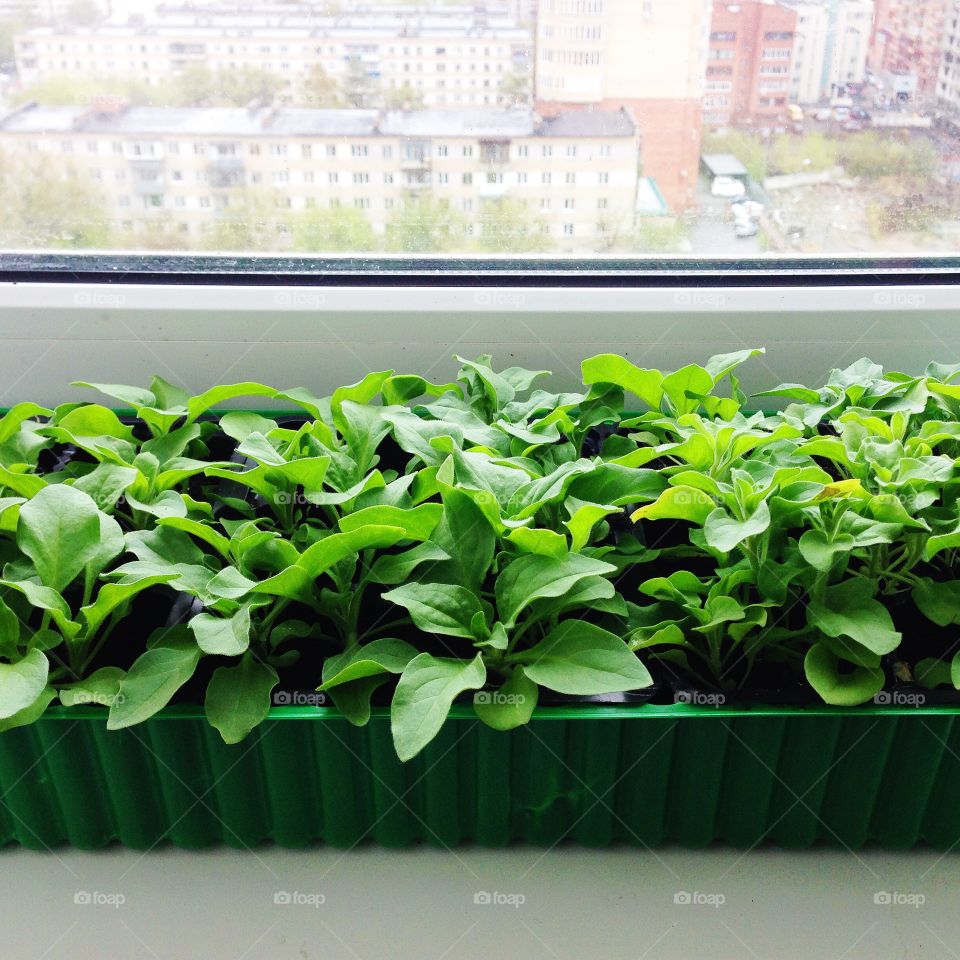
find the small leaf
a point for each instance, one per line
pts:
(859, 685)
(154, 678)
(224, 636)
(850, 609)
(101, 688)
(510, 706)
(544, 543)
(424, 695)
(238, 697)
(583, 659)
(417, 523)
(820, 551)
(371, 659)
(22, 683)
(60, 531)
(609, 368)
(678, 503)
(724, 533)
(444, 608)
(530, 578)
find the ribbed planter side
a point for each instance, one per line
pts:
(594, 775)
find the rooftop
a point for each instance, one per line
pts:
(294, 122)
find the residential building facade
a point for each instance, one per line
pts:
(832, 40)
(948, 80)
(750, 63)
(457, 57)
(908, 38)
(646, 56)
(573, 177)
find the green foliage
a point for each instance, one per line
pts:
(484, 541)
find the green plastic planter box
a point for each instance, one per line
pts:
(641, 775)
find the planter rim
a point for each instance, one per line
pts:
(648, 711)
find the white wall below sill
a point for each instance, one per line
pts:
(324, 337)
(566, 904)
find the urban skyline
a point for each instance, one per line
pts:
(688, 76)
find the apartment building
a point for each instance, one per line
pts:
(645, 56)
(908, 39)
(832, 40)
(750, 63)
(454, 57)
(573, 175)
(948, 80)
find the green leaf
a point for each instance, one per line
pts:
(13, 419)
(530, 578)
(510, 706)
(417, 523)
(942, 541)
(224, 636)
(29, 714)
(842, 689)
(609, 368)
(678, 503)
(59, 530)
(618, 485)
(100, 688)
(22, 683)
(585, 516)
(397, 568)
(25, 484)
(424, 695)
(820, 551)
(722, 364)
(850, 609)
(685, 387)
(467, 536)
(154, 678)
(372, 659)
(583, 659)
(202, 531)
(444, 608)
(724, 533)
(132, 396)
(106, 483)
(114, 595)
(544, 543)
(238, 697)
(220, 394)
(353, 699)
(939, 602)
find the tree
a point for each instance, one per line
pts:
(359, 88)
(251, 220)
(319, 90)
(506, 227)
(426, 225)
(515, 89)
(48, 204)
(199, 86)
(403, 97)
(659, 235)
(791, 154)
(334, 230)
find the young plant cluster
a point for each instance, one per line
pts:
(408, 543)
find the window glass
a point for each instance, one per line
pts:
(620, 128)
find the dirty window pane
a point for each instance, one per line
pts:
(650, 128)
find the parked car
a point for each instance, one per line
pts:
(853, 126)
(858, 113)
(727, 187)
(743, 229)
(824, 114)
